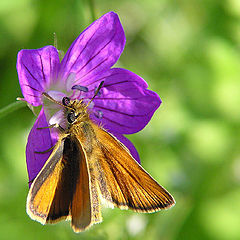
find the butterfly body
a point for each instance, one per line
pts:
(88, 168)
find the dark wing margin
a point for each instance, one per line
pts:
(127, 183)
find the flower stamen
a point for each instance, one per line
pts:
(97, 92)
(98, 114)
(80, 88)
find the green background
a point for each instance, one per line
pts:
(188, 52)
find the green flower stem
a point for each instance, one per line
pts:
(91, 6)
(11, 108)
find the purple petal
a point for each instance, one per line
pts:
(129, 145)
(95, 50)
(124, 100)
(39, 140)
(37, 69)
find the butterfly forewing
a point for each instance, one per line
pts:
(43, 191)
(81, 203)
(128, 184)
(61, 189)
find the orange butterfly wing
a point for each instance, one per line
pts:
(61, 189)
(125, 183)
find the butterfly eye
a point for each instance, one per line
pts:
(71, 117)
(66, 101)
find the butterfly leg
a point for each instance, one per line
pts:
(50, 126)
(48, 150)
(55, 125)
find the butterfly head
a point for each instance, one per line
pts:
(76, 110)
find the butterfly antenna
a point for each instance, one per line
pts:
(53, 100)
(96, 93)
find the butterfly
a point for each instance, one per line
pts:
(89, 168)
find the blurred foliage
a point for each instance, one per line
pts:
(188, 52)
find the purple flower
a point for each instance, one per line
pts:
(124, 105)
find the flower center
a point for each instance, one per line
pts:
(70, 91)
